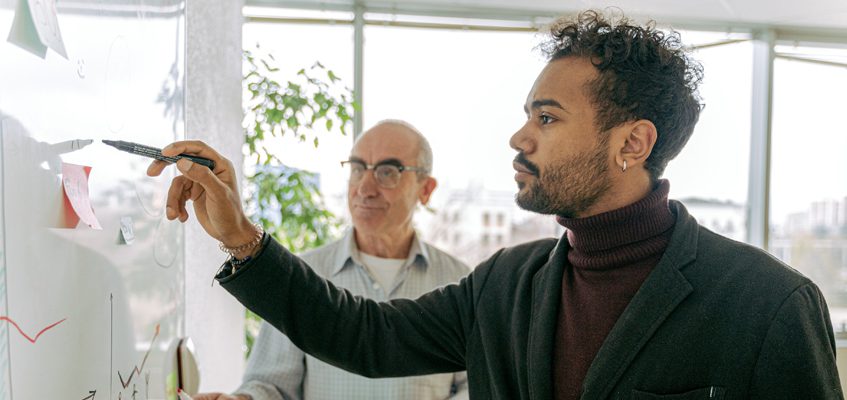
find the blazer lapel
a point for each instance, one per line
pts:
(546, 295)
(658, 296)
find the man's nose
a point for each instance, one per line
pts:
(522, 140)
(367, 186)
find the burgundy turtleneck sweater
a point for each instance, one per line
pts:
(610, 256)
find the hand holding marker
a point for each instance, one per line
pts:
(153, 152)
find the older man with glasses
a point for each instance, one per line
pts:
(380, 257)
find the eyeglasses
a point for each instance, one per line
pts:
(387, 173)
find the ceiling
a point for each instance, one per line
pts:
(825, 15)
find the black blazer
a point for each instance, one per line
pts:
(715, 319)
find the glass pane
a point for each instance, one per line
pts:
(90, 304)
(297, 46)
(710, 175)
(465, 91)
(808, 220)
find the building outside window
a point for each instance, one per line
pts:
(808, 219)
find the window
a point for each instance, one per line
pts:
(712, 189)
(332, 46)
(808, 229)
(465, 91)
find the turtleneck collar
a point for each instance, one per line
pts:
(623, 235)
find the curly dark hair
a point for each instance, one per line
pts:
(644, 73)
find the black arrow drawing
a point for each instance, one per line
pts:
(90, 395)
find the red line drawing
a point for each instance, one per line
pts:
(32, 340)
(137, 370)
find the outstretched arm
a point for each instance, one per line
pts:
(398, 338)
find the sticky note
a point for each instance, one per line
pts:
(75, 187)
(171, 386)
(23, 33)
(127, 234)
(46, 22)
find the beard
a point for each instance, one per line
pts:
(568, 187)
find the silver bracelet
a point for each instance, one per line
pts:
(260, 232)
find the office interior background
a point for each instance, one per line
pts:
(765, 164)
(762, 167)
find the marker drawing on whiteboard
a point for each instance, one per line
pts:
(136, 370)
(30, 339)
(91, 394)
(153, 152)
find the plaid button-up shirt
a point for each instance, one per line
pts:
(278, 370)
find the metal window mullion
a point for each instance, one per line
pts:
(358, 67)
(758, 187)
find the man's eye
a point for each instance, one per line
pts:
(386, 171)
(545, 119)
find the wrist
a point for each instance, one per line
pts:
(246, 232)
(251, 253)
(245, 244)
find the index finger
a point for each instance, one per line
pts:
(194, 148)
(156, 167)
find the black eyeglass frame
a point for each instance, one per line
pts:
(391, 162)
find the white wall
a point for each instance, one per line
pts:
(214, 320)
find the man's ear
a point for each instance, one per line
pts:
(427, 187)
(637, 143)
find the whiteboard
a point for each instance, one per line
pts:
(85, 314)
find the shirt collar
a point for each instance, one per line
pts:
(348, 253)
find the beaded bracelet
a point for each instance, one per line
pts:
(247, 246)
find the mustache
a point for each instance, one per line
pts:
(369, 203)
(521, 159)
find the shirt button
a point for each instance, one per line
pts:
(376, 286)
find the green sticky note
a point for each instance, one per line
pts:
(170, 386)
(23, 33)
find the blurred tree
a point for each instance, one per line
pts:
(287, 201)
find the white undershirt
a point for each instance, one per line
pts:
(384, 270)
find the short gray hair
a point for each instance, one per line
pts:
(424, 158)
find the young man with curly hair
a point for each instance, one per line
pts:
(635, 301)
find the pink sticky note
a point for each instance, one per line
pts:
(75, 185)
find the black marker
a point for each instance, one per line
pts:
(153, 152)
